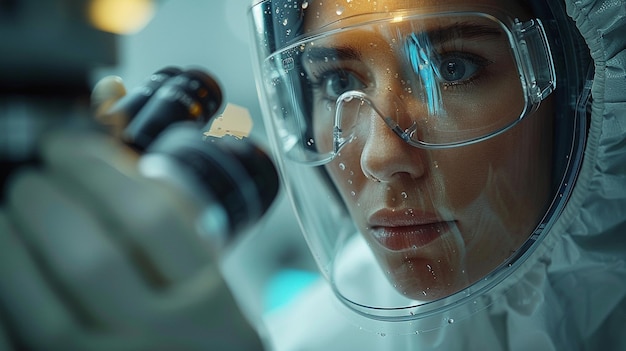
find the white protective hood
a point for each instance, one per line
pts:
(571, 293)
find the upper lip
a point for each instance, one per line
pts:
(402, 218)
(401, 229)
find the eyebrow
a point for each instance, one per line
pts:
(438, 36)
(330, 53)
(462, 30)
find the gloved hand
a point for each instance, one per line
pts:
(94, 256)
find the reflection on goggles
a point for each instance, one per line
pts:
(437, 81)
(419, 53)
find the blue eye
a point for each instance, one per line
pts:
(459, 68)
(337, 82)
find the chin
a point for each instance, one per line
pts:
(426, 284)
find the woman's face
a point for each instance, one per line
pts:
(437, 220)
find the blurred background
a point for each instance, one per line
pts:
(270, 264)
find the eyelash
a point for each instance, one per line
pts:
(323, 75)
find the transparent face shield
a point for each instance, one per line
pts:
(416, 146)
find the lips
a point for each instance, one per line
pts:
(403, 232)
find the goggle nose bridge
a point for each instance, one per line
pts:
(340, 140)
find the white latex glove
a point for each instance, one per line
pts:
(93, 256)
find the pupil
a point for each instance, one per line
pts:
(454, 70)
(340, 83)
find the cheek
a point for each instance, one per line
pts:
(499, 189)
(515, 163)
(345, 170)
(464, 172)
(322, 122)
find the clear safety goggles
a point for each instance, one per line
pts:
(429, 76)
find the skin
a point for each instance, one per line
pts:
(453, 215)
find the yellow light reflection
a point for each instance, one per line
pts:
(234, 121)
(121, 16)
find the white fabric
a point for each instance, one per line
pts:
(571, 293)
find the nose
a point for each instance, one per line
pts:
(385, 155)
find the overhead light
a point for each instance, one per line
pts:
(121, 16)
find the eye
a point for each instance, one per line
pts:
(460, 68)
(337, 82)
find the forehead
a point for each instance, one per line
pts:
(320, 13)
